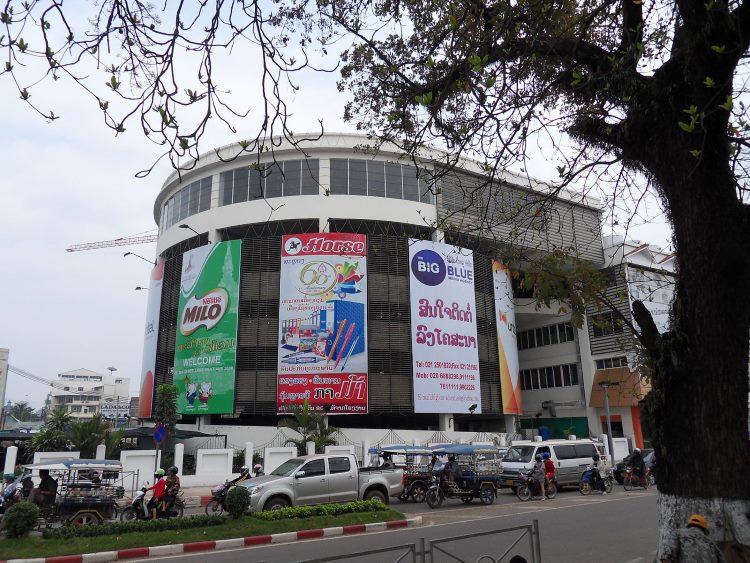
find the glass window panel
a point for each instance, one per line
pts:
(205, 194)
(566, 376)
(338, 464)
(375, 178)
(599, 364)
(550, 377)
(273, 180)
(574, 374)
(393, 188)
(225, 188)
(195, 198)
(524, 340)
(545, 335)
(532, 342)
(542, 379)
(339, 176)
(185, 203)
(558, 376)
(180, 210)
(535, 379)
(357, 177)
(565, 452)
(315, 467)
(292, 172)
(310, 175)
(608, 363)
(569, 332)
(539, 337)
(254, 184)
(425, 194)
(240, 185)
(411, 186)
(553, 334)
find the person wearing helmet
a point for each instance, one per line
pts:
(692, 543)
(159, 488)
(549, 467)
(258, 468)
(596, 478)
(636, 462)
(171, 487)
(538, 473)
(27, 485)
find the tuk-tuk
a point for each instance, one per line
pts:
(478, 474)
(87, 490)
(415, 461)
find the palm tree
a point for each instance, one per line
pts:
(22, 411)
(311, 426)
(58, 420)
(86, 435)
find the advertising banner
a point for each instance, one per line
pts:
(150, 338)
(115, 409)
(505, 315)
(206, 346)
(323, 323)
(444, 330)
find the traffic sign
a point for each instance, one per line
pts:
(160, 434)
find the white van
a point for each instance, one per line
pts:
(570, 457)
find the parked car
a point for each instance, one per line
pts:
(619, 471)
(320, 479)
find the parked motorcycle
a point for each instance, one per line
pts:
(219, 493)
(138, 509)
(631, 479)
(11, 495)
(586, 484)
(528, 487)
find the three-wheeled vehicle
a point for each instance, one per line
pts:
(415, 461)
(478, 475)
(87, 491)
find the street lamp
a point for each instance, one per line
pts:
(606, 385)
(186, 226)
(139, 256)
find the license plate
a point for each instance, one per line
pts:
(509, 482)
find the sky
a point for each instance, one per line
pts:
(72, 181)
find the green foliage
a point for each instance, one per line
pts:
(86, 435)
(52, 437)
(117, 528)
(237, 501)
(166, 406)
(23, 412)
(312, 427)
(20, 519)
(373, 505)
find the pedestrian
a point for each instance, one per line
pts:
(692, 543)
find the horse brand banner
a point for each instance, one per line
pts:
(444, 330)
(323, 323)
(206, 347)
(505, 315)
(148, 363)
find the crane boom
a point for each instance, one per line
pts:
(122, 241)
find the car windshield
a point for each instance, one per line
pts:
(288, 467)
(519, 453)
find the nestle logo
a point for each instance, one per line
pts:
(204, 311)
(428, 267)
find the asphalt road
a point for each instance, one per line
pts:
(618, 528)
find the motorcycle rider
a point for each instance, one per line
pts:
(243, 476)
(258, 468)
(596, 478)
(159, 487)
(549, 467)
(171, 487)
(452, 470)
(638, 465)
(538, 473)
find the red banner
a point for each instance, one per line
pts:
(333, 393)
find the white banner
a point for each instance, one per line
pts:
(444, 331)
(505, 315)
(148, 364)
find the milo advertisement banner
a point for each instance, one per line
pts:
(206, 344)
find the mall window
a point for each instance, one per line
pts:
(565, 375)
(278, 179)
(606, 324)
(188, 201)
(377, 179)
(609, 363)
(546, 336)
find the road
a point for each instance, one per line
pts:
(618, 528)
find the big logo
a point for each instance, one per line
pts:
(428, 267)
(204, 311)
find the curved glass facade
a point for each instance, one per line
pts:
(350, 176)
(279, 179)
(192, 199)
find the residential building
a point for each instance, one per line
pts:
(82, 392)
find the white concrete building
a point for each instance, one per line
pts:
(83, 392)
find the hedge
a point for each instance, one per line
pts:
(198, 521)
(20, 519)
(373, 505)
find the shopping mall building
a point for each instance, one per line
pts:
(243, 319)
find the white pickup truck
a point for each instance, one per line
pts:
(320, 479)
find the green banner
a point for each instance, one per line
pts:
(206, 346)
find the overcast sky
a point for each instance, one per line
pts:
(72, 182)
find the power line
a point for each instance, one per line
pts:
(60, 385)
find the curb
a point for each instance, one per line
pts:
(176, 549)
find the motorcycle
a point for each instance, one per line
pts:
(219, 493)
(10, 496)
(586, 485)
(631, 479)
(528, 487)
(138, 509)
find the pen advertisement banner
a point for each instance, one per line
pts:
(444, 330)
(148, 363)
(323, 323)
(206, 347)
(505, 315)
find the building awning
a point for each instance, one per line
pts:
(626, 388)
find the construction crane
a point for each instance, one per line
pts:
(122, 241)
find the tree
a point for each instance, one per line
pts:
(53, 435)
(22, 412)
(630, 99)
(86, 435)
(165, 411)
(311, 426)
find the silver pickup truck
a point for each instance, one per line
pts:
(319, 479)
